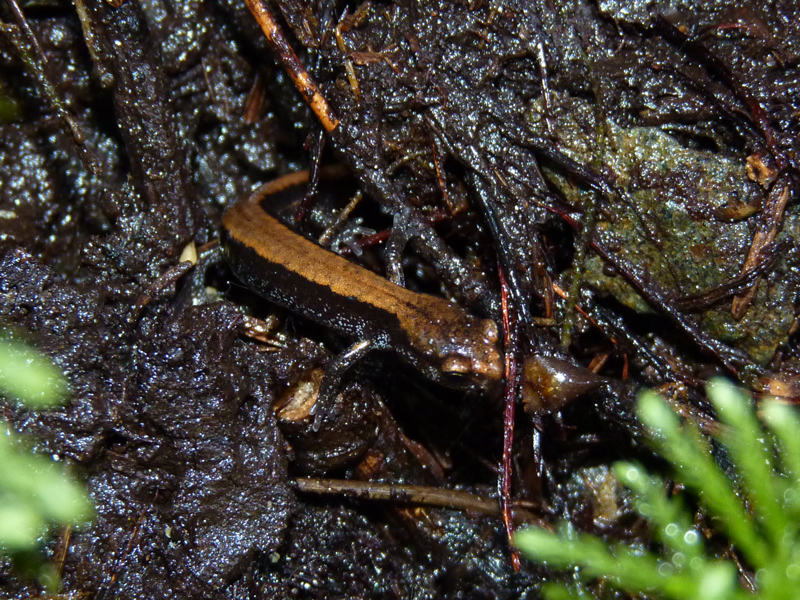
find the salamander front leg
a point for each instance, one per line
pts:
(332, 380)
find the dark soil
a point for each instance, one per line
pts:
(614, 161)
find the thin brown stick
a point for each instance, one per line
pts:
(62, 549)
(772, 215)
(440, 179)
(35, 59)
(413, 494)
(734, 286)
(286, 55)
(23, 24)
(733, 360)
(254, 107)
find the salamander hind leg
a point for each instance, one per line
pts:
(332, 380)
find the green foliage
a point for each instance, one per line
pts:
(27, 376)
(35, 492)
(761, 520)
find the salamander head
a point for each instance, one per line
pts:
(475, 355)
(449, 345)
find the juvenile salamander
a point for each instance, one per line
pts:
(435, 336)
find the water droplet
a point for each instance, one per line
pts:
(665, 569)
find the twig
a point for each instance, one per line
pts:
(767, 230)
(23, 39)
(757, 114)
(510, 336)
(655, 297)
(734, 286)
(411, 494)
(301, 78)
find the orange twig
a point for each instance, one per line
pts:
(301, 78)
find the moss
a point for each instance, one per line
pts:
(675, 222)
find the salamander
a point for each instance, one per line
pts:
(438, 338)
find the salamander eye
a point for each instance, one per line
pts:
(457, 364)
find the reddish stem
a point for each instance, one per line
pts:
(504, 483)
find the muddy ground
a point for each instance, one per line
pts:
(628, 168)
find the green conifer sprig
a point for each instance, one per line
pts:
(760, 518)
